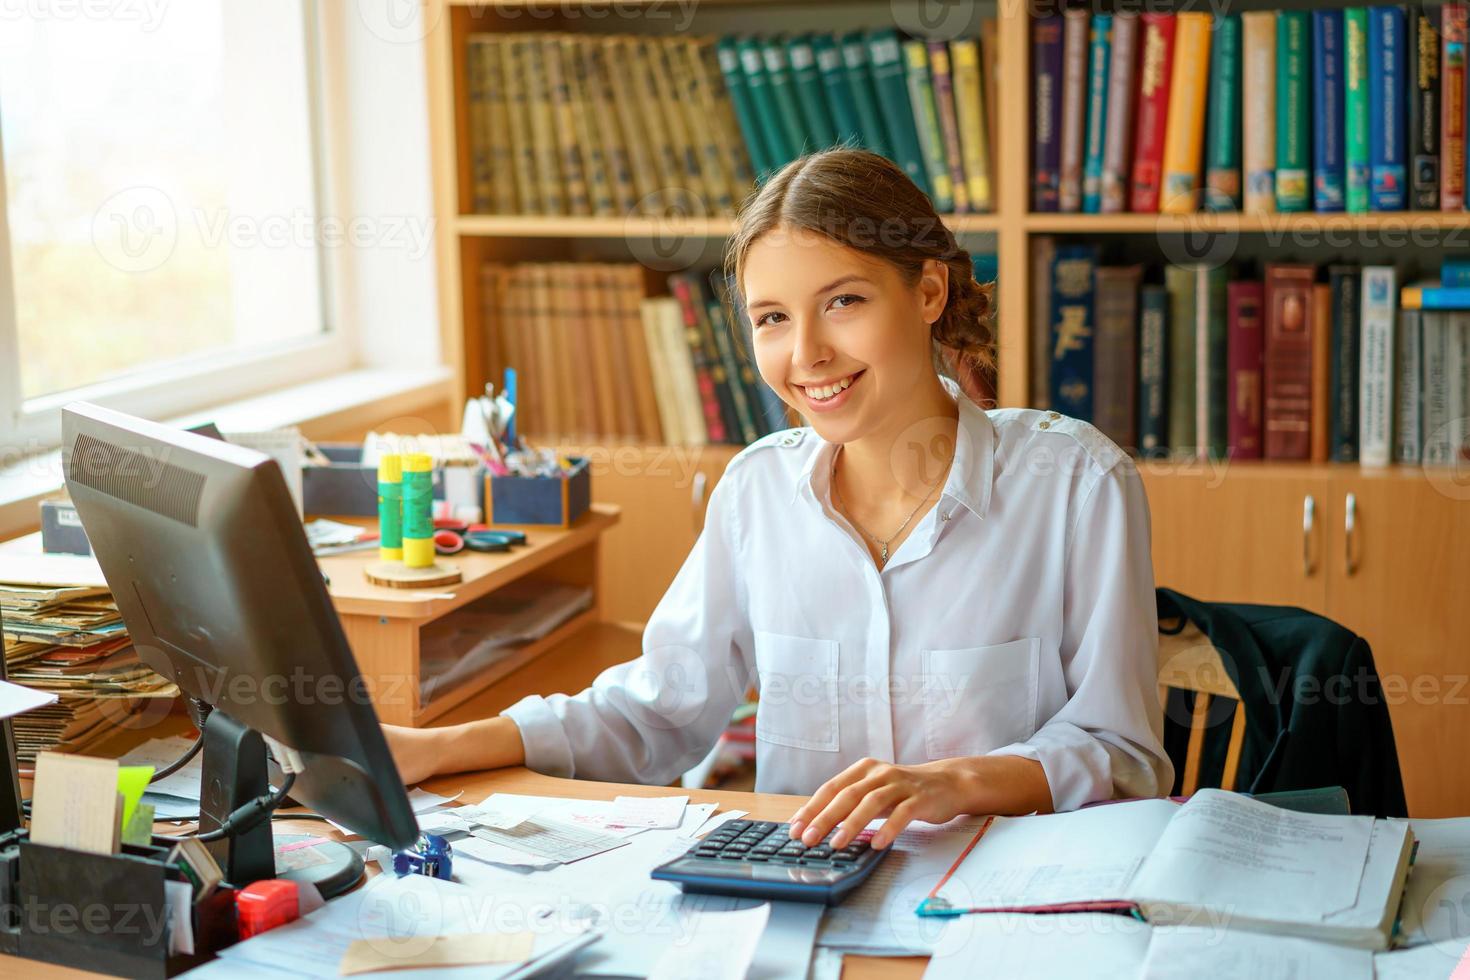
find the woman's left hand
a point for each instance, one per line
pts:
(933, 792)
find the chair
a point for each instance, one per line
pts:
(1189, 662)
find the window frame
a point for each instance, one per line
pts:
(194, 383)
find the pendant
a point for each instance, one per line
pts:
(883, 558)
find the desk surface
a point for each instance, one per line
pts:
(476, 786)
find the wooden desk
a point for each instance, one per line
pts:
(478, 785)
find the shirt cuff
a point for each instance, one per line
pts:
(1075, 764)
(543, 737)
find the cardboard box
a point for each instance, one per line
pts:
(550, 500)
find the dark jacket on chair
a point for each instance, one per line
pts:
(1315, 711)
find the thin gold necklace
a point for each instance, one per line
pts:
(882, 543)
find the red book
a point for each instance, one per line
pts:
(1452, 110)
(1155, 67)
(1247, 357)
(709, 399)
(1288, 426)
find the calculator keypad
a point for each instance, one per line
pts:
(766, 841)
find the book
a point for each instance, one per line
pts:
(1246, 354)
(1185, 125)
(783, 95)
(1222, 143)
(779, 151)
(990, 68)
(1320, 424)
(598, 168)
(1329, 178)
(567, 148)
(1347, 307)
(1258, 108)
(1075, 27)
(806, 79)
(1375, 370)
(1264, 869)
(1155, 75)
(523, 157)
(712, 96)
(477, 71)
(1099, 68)
(1072, 331)
(1115, 361)
(1118, 138)
(1432, 296)
(709, 374)
(926, 122)
(737, 84)
(1046, 93)
(1182, 282)
(942, 90)
(551, 184)
(1043, 250)
(1435, 328)
(1423, 75)
(1355, 109)
(1293, 108)
(1452, 108)
(854, 47)
(970, 116)
(1153, 390)
(1457, 398)
(1454, 272)
(1387, 177)
(1408, 365)
(1288, 292)
(837, 86)
(1211, 332)
(611, 64)
(885, 56)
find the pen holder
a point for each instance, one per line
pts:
(555, 500)
(108, 913)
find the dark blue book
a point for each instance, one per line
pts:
(1387, 172)
(1073, 319)
(1046, 125)
(1346, 283)
(1423, 73)
(1328, 160)
(1099, 64)
(1153, 375)
(1454, 272)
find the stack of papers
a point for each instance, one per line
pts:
(175, 796)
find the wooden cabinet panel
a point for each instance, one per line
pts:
(1236, 535)
(1401, 579)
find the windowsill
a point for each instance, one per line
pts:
(326, 406)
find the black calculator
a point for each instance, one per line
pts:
(758, 859)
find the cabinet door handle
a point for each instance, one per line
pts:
(1349, 527)
(696, 500)
(1309, 520)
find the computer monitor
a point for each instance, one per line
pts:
(200, 543)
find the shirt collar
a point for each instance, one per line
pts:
(970, 478)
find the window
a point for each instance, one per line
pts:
(161, 205)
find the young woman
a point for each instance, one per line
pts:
(945, 610)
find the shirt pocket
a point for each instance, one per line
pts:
(798, 691)
(979, 698)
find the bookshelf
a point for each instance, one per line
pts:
(1380, 554)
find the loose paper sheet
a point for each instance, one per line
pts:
(460, 949)
(1043, 947)
(1188, 952)
(720, 948)
(651, 813)
(17, 698)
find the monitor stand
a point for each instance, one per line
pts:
(234, 773)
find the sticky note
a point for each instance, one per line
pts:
(76, 804)
(463, 949)
(132, 781)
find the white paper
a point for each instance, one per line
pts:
(422, 801)
(1188, 952)
(1432, 961)
(443, 822)
(720, 947)
(502, 811)
(1223, 850)
(179, 897)
(1083, 855)
(550, 839)
(179, 787)
(650, 813)
(879, 917)
(493, 853)
(1436, 903)
(717, 821)
(1011, 945)
(17, 698)
(826, 964)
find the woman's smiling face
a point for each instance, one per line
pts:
(837, 334)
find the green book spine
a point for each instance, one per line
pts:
(926, 116)
(745, 114)
(1179, 280)
(1212, 404)
(1293, 111)
(1355, 103)
(807, 80)
(845, 120)
(783, 92)
(1222, 139)
(860, 79)
(889, 80)
(758, 83)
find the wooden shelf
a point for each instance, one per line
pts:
(1242, 223)
(559, 226)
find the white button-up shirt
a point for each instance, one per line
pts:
(1017, 618)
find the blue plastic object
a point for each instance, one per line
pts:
(430, 855)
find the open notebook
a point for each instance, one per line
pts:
(1221, 859)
